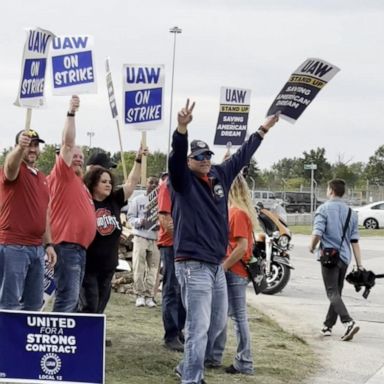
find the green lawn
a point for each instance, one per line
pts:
(137, 355)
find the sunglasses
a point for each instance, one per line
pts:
(202, 156)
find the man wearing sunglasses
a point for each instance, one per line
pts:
(199, 192)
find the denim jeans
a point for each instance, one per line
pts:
(237, 311)
(21, 277)
(95, 291)
(333, 279)
(172, 305)
(204, 294)
(69, 274)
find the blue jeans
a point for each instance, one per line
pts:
(172, 305)
(204, 295)
(69, 274)
(21, 277)
(237, 311)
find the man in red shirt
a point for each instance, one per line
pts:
(73, 218)
(172, 306)
(23, 226)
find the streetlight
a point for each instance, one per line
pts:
(175, 31)
(90, 134)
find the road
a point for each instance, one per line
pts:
(301, 309)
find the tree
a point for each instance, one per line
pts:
(317, 156)
(375, 167)
(47, 159)
(288, 168)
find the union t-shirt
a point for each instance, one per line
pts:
(102, 254)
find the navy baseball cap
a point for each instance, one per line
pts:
(198, 147)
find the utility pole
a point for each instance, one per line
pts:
(90, 134)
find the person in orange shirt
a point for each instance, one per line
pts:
(242, 223)
(73, 217)
(172, 305)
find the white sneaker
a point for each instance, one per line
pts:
(149, 302)
(351, 328)
(140, 301)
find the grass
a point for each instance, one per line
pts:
(307, 230)
(137, 355)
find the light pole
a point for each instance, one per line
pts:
(90, 134)
(175, 31)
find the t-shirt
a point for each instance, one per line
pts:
(72, 210)
(240, 225)
(102, 254)
(164, 206)
(23, 207)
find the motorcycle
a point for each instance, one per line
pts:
(271, 249)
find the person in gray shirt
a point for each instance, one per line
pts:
(329, 222)
(145, 255)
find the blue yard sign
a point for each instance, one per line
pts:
(41, 347)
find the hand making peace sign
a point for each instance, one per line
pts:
(184, 117)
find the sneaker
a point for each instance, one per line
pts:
(326, 331)
(149, 302)
(212, 365)
(232, 370)
(351, 329)
(174, 345)
(140, 301)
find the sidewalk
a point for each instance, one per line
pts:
(301, 307)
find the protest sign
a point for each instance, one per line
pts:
(47, 347)
(143, 95)
(73, 65)
(34, 64)
(111, 91)
(233, 116)
(49, 283)
(301, 88)
(151, 211)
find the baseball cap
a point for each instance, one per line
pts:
(101, 159)
(198, 147)
(32, 134)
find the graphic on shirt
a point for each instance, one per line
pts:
(218, 190)
(106, 222)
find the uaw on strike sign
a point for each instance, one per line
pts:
(233, 116)
(301, 88)
(143, 88)
(38, 347)
(73, 65)
(34, 64)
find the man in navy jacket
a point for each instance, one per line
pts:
(199, 193)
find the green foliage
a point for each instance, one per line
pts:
(47, 159)
(323, 171)
(375, 167)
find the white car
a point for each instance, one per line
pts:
(371, 216)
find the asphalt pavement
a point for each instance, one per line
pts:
(301, 307)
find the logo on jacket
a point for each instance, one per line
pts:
(218, 190)
(106, 223)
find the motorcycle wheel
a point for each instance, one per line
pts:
(280, 275)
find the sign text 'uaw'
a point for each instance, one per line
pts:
(301, 88)
(34, 64)
(143, 89)
(73, 69)
(233, 116)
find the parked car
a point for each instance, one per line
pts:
(266, 198)
(371, 216)
(298, 202)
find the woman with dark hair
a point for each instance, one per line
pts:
(102, 254)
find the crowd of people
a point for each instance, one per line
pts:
(204, 236)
